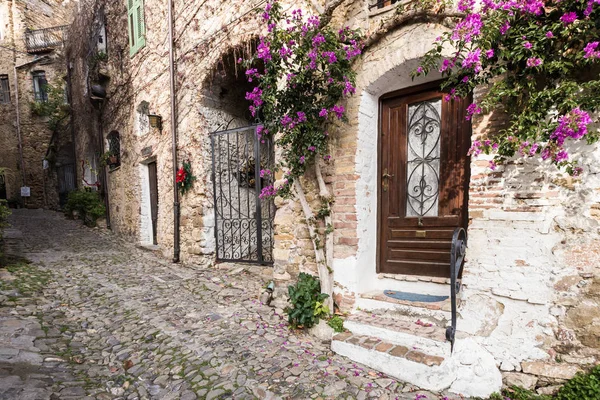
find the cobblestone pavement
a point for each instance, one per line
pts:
(93, 316)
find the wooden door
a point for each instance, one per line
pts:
(423, 181)
(153, 198)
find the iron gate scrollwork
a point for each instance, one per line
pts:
(243, 221)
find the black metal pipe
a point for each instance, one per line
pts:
(176, 205)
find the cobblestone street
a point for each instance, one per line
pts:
(93, 315)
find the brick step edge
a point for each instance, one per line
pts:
(372, 343)
(403, 323)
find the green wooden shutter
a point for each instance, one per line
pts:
(140, 26)
(136, 26)
(131, 27)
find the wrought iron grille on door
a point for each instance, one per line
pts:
(243, 221)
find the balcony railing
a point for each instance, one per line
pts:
(45, 39)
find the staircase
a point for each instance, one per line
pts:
(417, 341)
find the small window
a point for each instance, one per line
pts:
(137, 28)
(4, 89)
(101, 45)
(114, 149)
(40, 86)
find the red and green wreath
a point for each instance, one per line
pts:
(185, 179)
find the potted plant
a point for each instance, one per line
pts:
(109, 158)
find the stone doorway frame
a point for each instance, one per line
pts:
(146, 229)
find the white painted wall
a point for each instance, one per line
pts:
(146, 234)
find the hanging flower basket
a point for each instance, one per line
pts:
(185, 179)
(246, 176)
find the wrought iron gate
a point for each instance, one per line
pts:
(243, 221)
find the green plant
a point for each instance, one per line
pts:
(582, 386)
(108, 158)
(56, 108)
(4, 213)
(337, 323)
(87, 203)
(307, 302)
(100, 56)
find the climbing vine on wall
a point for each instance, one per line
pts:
(303, 72)
(542, 62)
(307, 73)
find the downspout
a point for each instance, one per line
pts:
(104, 174)
(176, 205)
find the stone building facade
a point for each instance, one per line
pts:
(31, 38)
(530, 283)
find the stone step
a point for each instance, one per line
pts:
(408, 364)
(425, 327)
(427, 363)
(411, 332)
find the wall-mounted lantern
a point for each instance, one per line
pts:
(155, 121)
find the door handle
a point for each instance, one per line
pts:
(385, 180)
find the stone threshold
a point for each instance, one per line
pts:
(372, 343)
(415, 278)
(378, 295)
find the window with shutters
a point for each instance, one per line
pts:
(4, 90)
(135, 22)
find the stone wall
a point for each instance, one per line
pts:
(37, 139)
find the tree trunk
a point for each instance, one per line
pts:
(322, 267)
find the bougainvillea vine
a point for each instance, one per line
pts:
(541, 62)
(303, 72)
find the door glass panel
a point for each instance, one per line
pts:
(423, 158)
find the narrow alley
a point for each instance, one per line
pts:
(92, 315)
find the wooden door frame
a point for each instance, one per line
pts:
(401, 93)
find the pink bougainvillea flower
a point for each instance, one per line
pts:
(504, 28)
(468, 28)
(475, 149)
(573, 125)
(323, 113)
(466, 5)
(338, 110)
(534, 62)
(318, 40)
(473, 60)
(493, 165)
(329, 56)
(263, 51)
(445, 65)
(590, 50)
(472, 110)
(489, 53)
(549, 34)
(568, 18)
(348, 88)
(527, 45)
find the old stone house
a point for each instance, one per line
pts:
(31, 38)
(530, 283)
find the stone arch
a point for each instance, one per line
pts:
(223, 90)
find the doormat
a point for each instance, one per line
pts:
(416, 297)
